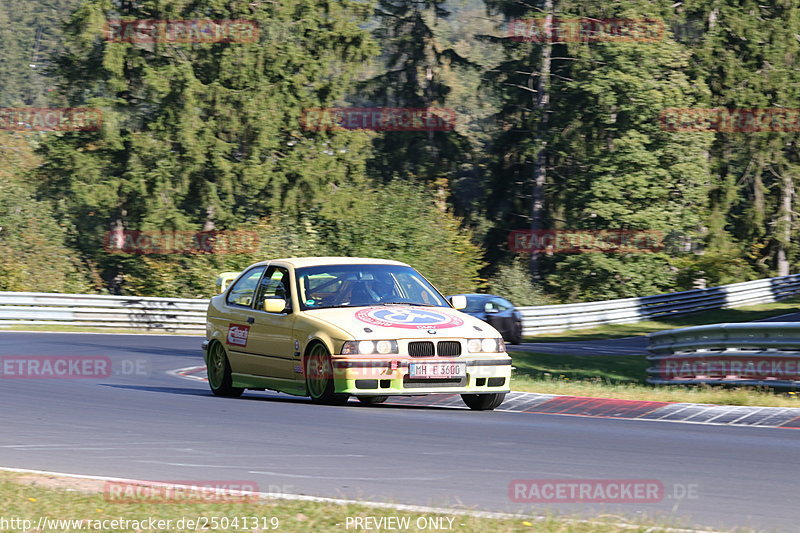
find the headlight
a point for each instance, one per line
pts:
(366, 347)
(486, 345)
(369, 347)
(386, 347)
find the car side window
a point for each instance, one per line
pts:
(243, 291)
(274, 285)
(413, 290)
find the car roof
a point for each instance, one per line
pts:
(299, 262)
(480, 296)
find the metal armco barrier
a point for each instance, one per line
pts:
(748, 353)
(188, 315)
(554, 318)
(100, 311)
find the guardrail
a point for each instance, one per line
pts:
(554, 318)
(749, 353)
(100, 311)
(188, 315)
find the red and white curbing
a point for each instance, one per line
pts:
(552, 404)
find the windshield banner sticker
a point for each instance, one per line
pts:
(408, 318)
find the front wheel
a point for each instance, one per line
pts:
(483, 402)
(219, 373)
(319, 377)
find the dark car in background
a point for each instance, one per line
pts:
(498, 312)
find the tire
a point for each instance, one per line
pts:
(219, 373)
(516, 334)
(319, 377)
(372, 400)
(483, 402)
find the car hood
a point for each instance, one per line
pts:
(403, 322)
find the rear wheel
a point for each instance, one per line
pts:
(219, 373)
(372, 400)
(483, 402)
(319, 377)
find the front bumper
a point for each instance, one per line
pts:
(389, 376)
(205, 351)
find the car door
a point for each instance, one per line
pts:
(279, 355)
(242, 342)
(505, 316)
(497, 314)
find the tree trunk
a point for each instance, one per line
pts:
(785, 223)
(542, 104)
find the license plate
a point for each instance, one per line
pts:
(437, 370)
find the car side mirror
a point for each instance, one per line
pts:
(459, 301)
(489, 308)
(274, 305)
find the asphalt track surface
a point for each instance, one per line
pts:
(143, 423)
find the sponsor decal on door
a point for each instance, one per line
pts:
(237, 334)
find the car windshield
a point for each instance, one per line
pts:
(328, 286)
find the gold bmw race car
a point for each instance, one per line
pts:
(335, 327)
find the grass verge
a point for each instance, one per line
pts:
(31, 497)
(715, 316)
(623, 377)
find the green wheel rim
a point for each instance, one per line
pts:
(318, 371)
(216, 366)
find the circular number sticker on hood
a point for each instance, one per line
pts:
(408, 318)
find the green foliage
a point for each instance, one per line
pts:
(193, 276)
(418, 68)
(34, 255)
(209, 136)
(513, 281)
(30, 34)
(748, 56)
(203, 135)
(715, 267)
(401, 221)
(595, 276)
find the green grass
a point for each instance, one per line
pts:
(716, 316)
(26, 496)
(623, 377)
